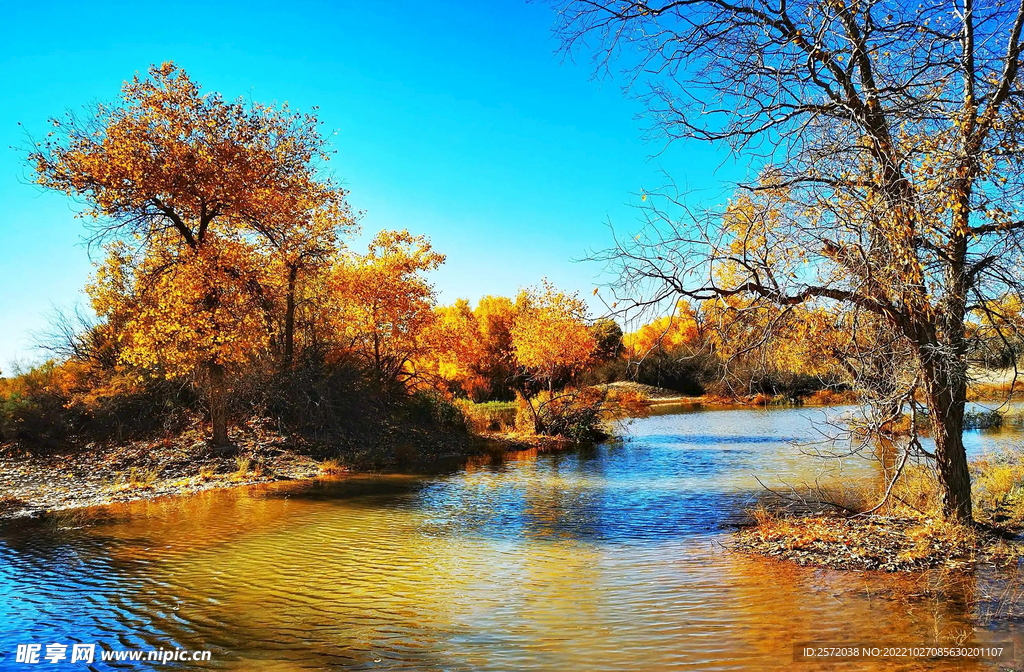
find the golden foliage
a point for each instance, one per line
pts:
(184, 307)
(550, 332)
(670, 333)
(383, 304)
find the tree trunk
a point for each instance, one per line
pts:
(218, 405)
(289, 318)
(538, 425)
(947, 397)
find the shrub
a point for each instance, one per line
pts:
(578, 415)
(429, 408)
(57, 405)
(999, 486)
(37, 421)
(983, 419)
(332, 467)
(321, 401)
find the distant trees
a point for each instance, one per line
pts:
(607, 335)
(890, 137)
(470, 350)
(496, 367)
(506, 346)
(671, 332)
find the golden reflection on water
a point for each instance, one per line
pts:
(611, 558)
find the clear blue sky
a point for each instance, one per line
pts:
(457, 120)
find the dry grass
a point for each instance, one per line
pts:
(492, 416)
(931, 539)
(332, 468)
(887, 543)
(243, 465)
(207, 473)
(905, 533)
(999, 489)
(249, 469)
(916, 493)
(137, 478)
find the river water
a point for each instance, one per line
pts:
(613, 557)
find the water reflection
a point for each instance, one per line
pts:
(607, 558)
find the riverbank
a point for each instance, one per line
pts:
(883, 543)
(898, 526)
(660, 396)
(34, 485)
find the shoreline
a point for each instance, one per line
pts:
(886, 543)
(35, 486)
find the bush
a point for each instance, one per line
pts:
(328, 402)
(39, 421)
(429, 408)
(578, 415)
(983, 419)
(141, 409)
(341, 408)
(61, 405)
(33, 409)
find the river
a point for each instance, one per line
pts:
(614, 557)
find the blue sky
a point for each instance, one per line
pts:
(456, 120)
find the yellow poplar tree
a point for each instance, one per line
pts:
(384, 304)
(550, 333)
(199, 187)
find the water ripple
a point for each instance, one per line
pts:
(607, 558)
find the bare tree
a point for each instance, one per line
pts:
(889, 136)
(77, 334)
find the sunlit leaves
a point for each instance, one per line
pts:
(550, 331)
(382, 302)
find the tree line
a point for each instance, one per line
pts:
(225, 245)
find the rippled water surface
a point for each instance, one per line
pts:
(606, 558)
